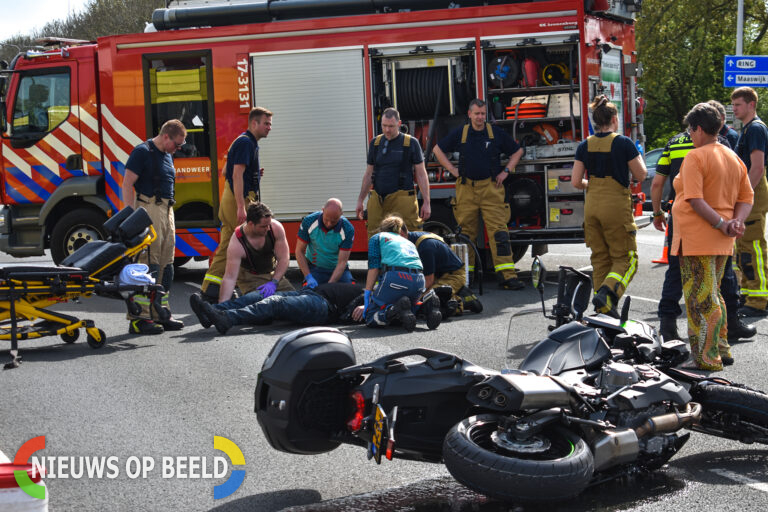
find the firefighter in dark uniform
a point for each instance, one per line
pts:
(444, 273)
(480, 185)
(751, 255)
(242, 186)
(394, 159)
(607, 159)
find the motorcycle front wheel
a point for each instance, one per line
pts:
(733, 413)
(553, 465)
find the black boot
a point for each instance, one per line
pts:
(605, 301)
(738, 330)
(668, 328)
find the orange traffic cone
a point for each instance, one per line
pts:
(639, 204)
(664, 260)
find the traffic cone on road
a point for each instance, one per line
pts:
(664, 260)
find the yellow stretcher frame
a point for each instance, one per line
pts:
(23, 301)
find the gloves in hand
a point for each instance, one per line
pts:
(366, 301)
(310, 281)
(267, 289)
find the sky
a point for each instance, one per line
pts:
(23, 16)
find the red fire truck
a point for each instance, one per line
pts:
(327, 69)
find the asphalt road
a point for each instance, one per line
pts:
(169, 395)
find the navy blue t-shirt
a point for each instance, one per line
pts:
(482, 156)
(387, 160)
(244, 151)
(436, 256)
(145, 160)
(754, 136)
(731, 135)
(623, 150)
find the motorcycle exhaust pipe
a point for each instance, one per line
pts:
(611, 447)
(671, 422)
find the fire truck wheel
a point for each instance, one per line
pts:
(74, 230)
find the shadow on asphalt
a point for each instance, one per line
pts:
(271, 501)
(446, 495)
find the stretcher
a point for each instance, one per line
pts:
(27, 292)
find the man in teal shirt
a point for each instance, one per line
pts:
(324, 244)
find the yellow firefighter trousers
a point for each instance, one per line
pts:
(455, 279)
(482, 196)
(400, 202)
(751, 251)
(228, 218)
(610, 232)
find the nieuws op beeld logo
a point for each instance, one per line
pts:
(180, 467)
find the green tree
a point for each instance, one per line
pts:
(98, 18)
(681, 45)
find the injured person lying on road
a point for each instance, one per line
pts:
(326, 304)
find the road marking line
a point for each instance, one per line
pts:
(3, 458)
(730, 475)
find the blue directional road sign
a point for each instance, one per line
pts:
(751, 70)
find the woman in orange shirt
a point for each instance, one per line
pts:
(713, 199)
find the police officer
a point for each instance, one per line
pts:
(394, 159)
(480, 185)
(149, 182)
(242, 174)
(607, 159)
(751, 248)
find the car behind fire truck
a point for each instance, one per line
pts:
(327, 69)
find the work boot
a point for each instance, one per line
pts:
(196, 302)
(143, 326)
(668, 328)
(750, 311)
(431, 309)
(738, 330)
(605, 301)
(451, 308)
(172, 324)
(470, 300)
(513, 283)
(219, 318)
(401, 310)
(444, 293)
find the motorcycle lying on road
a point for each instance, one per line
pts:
(597, 399)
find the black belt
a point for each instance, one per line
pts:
(387, 268)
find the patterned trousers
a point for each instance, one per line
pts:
(704, 304)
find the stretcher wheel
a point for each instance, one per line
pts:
(96, 338)
(70, 337)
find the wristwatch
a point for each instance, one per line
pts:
(658, 214)
(506, 170)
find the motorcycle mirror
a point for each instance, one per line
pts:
(538, 273)
(625, 310)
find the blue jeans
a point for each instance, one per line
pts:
(303, 307)
(322, 275)
(392, 285)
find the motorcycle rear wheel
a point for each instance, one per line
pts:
(475, 460)
(733, 413)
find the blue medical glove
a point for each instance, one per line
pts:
(268, 289)
(366, 301)
(310, 281)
